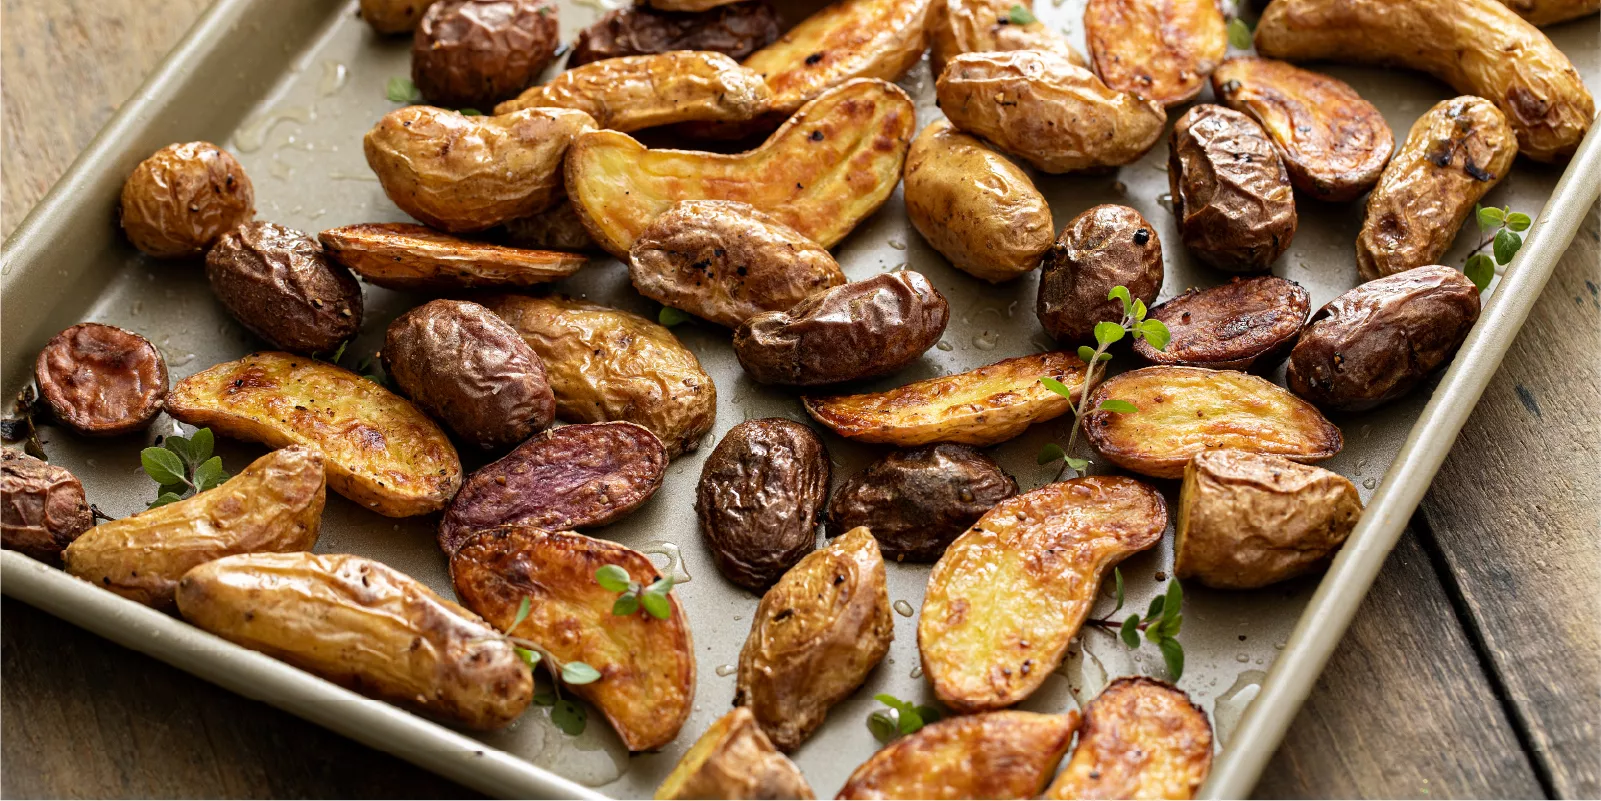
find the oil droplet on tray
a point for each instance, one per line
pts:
(943, 345)
(726, 670)
(674, 566)
(1370, 483)
(253, 135)
(903, 608)
(917, 672)
(1231, 705)
(987, 340)
(897, 244)
(334, 76)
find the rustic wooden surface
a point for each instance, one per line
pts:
(1473, 669)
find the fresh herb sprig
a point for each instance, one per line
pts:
(402, 90)
(902, 718)
(1161, 624)
(183, 466)
(1240, 36)
(567, 714)
(652, 597)
(1502, 229)
(1020, 15)
(669, 316)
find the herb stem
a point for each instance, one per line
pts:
(1085, 387)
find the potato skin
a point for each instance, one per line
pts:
(724, 261)
(274, 505)
(975, 207)
(1106, 246)
(558, 228)
(814, 638)
(917, 501)
(417, 258)
(1245, 324)
(858, 330)
(633, 92)
(736, 30)
(1006, 754)
(985, 26)
(279, 283)
(42, 506)
(734, 760)
(478, 52)
(760, 498)
(846, 40)
(1231, 191)
(1142, 738)
(100, 380)
(1551, 12)
(1376, 342)
(366, 626)
(1247, 520)
(178, 201)
(1161, 50)
(394, 16)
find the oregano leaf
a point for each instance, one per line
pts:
(1020, 15)
(1480, 270)
(670, 316)
(1118, 406)
(1173, 655)
(1056, 386)
(569, 717)
(613, 578)
(1488, 217)
(626, 604)
(163, 466)
(657, 605)
(1117, 578)
(1506, 246)
(1518, 221)
(523, 609)
(1078, 465)
(1155, 333)
(1107, 333)
(579, 673)
(1130, 632)
(1050, 453)
(1086, 354)
(1120, 293)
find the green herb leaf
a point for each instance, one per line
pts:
(890, 701)
(1173, 655)
(660, 586)
(1086, 354)
(1120, 292)
(882, 724)
(1105, 357)
(201, 444)
(1155, 610)
(209, 474)
(1119, 406)
(569, 717)
(1078, 465)
(163, 499)
(1130, 632)
(1020, 15)
(402, 90)
(1506, 246)
(544, 698)
(1155, 333)
(1518, 221)
(523, 609)
(1170, 625)
(1056, 386)
(173, 489)
(1173, 601)
(929, 714)
(907, 719)
(1488, 217)
(579, 673)
(185, 450)
(1139, 309)
(613, 578)
(1117, 578)
(1050, 453)
(163, 466)
(1239, 34)
(529, 656)
(1480, 270)
(657, 605)
(470, 112)
(1107, 333)
(626, 604)
(670, 316)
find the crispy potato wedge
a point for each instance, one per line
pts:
(416, 257)
(380, 451)
(1246, 324)
(847, 40)
(1006, 754)
(633, 92)
(647, 666)
(1161, 50)
(826, 169)
(1142, 738)
(979, 407)
(1551, 12)
(986, 26)
(1009, 594)
(1182, 411)
(734, 760)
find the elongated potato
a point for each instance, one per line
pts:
(1142, 738)
(847, 40)
(380, 451)
(826, 169)
(979, 407)
(1006, 754)
(1182, 411)
(987, 26)
(734, 760)
(1230, 190)
(647, 666)
(364, 625)
(416, 257)
(1479, 47)
(1551, 12)
(633, 92)
(1009, 594)
(1246, 324)
(1161, 50)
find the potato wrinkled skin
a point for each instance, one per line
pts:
(100, 380)
(760, 498)
(273, 505)
(736, 30)
(1248, 323)
(846, 40)
(1231, 191)
(279, 283)
(1378, 341)
(364, 625)
(178, 201)
(394, 16)
(1161, 50)
(917, 501)
(734, 760)
(558, 228)
(461, 174)
(1106, 246)
(1455, 154)
(998, 755)
(726, 262)
(417, 258)
(1142, 738)
(814, 638)
(1044, 109)
(1247, 520)
(42, 506)
(471, 370)
(1479, 47)
(1551, 12)
(479, 52)
(986, 26)
(858, 330)
(634, 92)
(975, 207)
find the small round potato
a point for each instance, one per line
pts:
(102, 381)
(735, 30)
(394, 16)
(1244, 324)
(917, 501)
(42, 507)
(280, 284)
(760, 497)
(1105, 247)
(1231, 192)
(178, 201)
(479, 52)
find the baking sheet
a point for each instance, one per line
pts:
(291, 87)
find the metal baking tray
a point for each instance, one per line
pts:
(290, 86)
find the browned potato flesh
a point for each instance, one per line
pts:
(1000, 755)
(418, 258)
(1142, 738)
(42, 506)
(278, 283)
(760, 496)
(635, 92)
(734, 760)
(556, 229)
(100, 380)
(1107, 246)
(178, 201)
(846, 40)
(1551, 12)
(1161, 50)
(1244, 324)
(987, 26)
(1231, 191)
(917, 501)
(394, 16)
(478, 52)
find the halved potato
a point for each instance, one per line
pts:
(633, 92)
(847, 40)
(1009, 594)
(416, 257)
(1182, 411)
(1006, 754)
(647, 666)
(1142, 738)
(979, 407)
(987, 26)
(1161, 50)
(734, 760)
(381, 451)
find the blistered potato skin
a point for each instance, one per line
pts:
(814, 638)
(634, 92)
(760, 496)
(847, 40)
(1161, 50)
(477, 52)
(379, 450)
(417, 258)
(1455, 154)
(688, 6)
(278, 283)
(275, 504)
(917, 501)
(394, 16)
(1182, 411)
(1106, 246)
(975, 207)
(178, 201)
(42, 506)
(1248, 323)
(1009, 594)
(736, 30)
(734, 760)
(100, 380)
(1231, 191)
(1000, 755)
(1551, 12)
(985, 26)
(1479, 47)
(364, 625)
(1142, 738)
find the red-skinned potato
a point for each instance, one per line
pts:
(1248, 323)
(101, 381)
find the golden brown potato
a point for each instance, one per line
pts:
(364, 625)
(975, 207)
(1182, 411)
(1142, 738)
(459, 173)
(1230, 189)
(1454, 155)
(1106, 246)
(1477, 46)
(178, 201)
(418, 258)
(987, 26)
(1043, 109)
(42, 506)
(826, 169)
(814, 638)
(647, 666)
(734, 760)
(1006, 754)
(380, 451)
(1161, 50)
(634, 92)
(394, 16)
(847, 40)
(1009, 594)
(979, 407)
(1550, 12)
(604, 364)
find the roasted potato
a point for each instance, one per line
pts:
(1378, 341)
(478, 52)
(979, 407)
(178, 201)
(1454, 155)
(849, 39)
(726, 262)
(556, 229)
(687, 6)
(826, 169)
(647, 666)
(1247, 520)
(42, 506)
(394, 16)
(275, 504)
(1009, 594)
(858, 330)
(459, 173)
(1551, 12)
(1248, 323)
(760, 497)
(1479, 47)
(987, 26)
(1161, 50)
(367, 626)
(1044, 109)
(917, 501)
(633, 92)
(379, 450)
(1142, 738)
(278, 283)
(1334, 143)
(736, 30)
(1006, 754)
(814, 638)
(100, 380)
(734, 760)
(605, 364)
(418, 258)
(1182, 411)
(1105, 247)
(1231, 191)
(975, 207)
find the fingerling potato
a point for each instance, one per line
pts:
(846, 40)
(734, 760)
(1247, 323)
(1006, 754)
(1142, 738)
(736, 30)
(987, 26)
(1161, 50)
(1551, 12)
(417, 258)
(917, 501)
(1231, 192)
(278, 283)
(42, 506)
(760, 496)
(634, 92)
(1107, 246)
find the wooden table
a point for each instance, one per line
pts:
(1473, 669)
